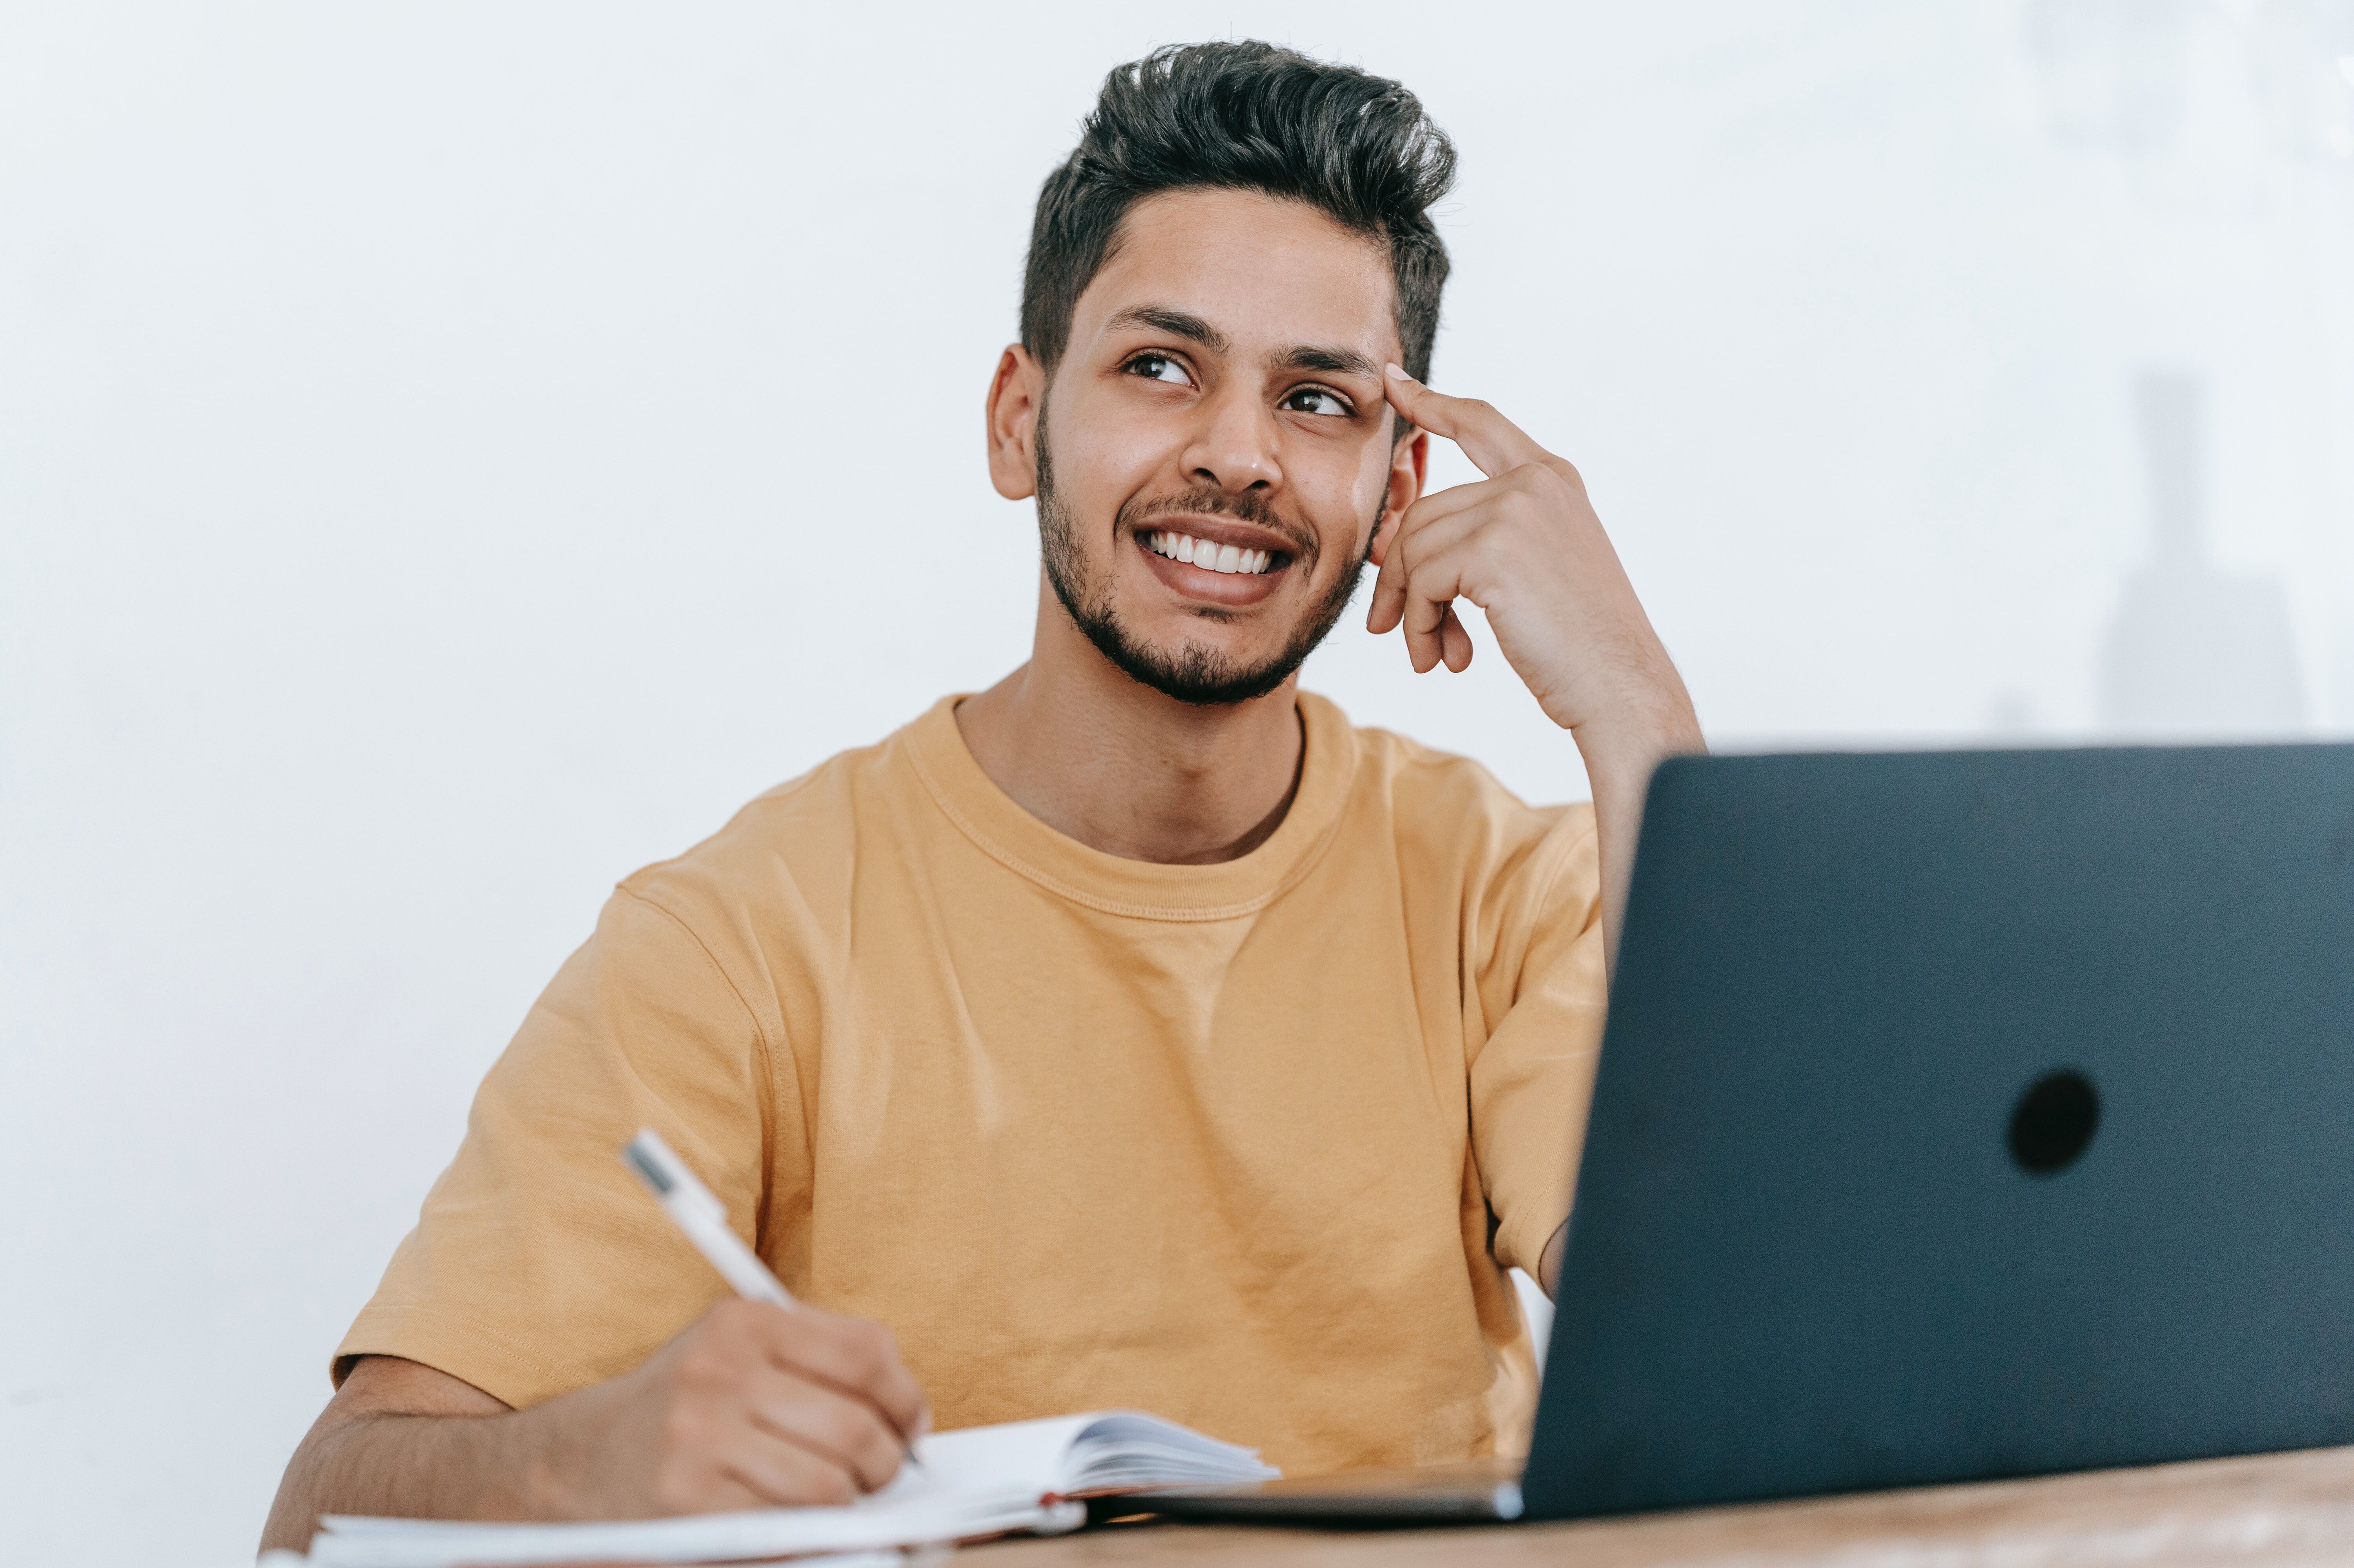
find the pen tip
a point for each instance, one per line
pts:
(651, 1173)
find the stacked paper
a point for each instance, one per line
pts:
(869, 1527)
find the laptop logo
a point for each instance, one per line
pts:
(2053, 1122)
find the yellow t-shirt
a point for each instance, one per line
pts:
(1249, 1145)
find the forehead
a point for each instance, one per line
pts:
(1267, 272)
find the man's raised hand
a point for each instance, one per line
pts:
(1523, 544)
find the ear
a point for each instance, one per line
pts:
(1017, 394)
(1409, 466)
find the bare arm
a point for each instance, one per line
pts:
(1549, 1265)
(753, 1406)
(1619, 758)
(397, 1438)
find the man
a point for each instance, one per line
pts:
(1135, 1032)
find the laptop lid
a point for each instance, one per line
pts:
(1961, 1116)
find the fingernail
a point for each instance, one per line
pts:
(1397, 373)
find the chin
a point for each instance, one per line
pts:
(1212, 638)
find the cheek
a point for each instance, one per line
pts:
(1102, 459)
(1349, 499)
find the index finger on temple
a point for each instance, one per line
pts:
(1494, 444)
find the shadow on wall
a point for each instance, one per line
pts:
(2194, 652)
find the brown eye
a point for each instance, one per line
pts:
(1315, 400)
(1157, 367)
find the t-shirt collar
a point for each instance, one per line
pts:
(1001, 829)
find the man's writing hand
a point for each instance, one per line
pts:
(755, 1406)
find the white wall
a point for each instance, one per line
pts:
(451, 456)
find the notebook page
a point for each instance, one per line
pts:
(1011, 1456)
(1125, 1448)
(363, 1543)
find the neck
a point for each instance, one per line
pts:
(1123, 768)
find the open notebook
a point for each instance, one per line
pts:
(983, 1481)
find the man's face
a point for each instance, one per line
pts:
(1215, 454)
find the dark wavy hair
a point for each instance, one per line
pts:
(1245, 116)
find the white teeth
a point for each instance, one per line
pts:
(1230, 559)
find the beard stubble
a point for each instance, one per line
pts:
(1191, 673)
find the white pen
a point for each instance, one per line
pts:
(698, 1212)
(691, 1205)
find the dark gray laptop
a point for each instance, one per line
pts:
(1960, 1115)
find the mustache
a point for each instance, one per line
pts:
(1209, 500)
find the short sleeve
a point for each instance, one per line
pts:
(1541, 991)
(538, 1264)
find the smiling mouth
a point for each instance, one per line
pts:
(1208, 555)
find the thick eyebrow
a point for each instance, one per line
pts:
(1333, 360)
(1177, 324)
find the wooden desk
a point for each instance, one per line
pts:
(2282, 1510)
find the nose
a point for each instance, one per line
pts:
(1233, 444)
